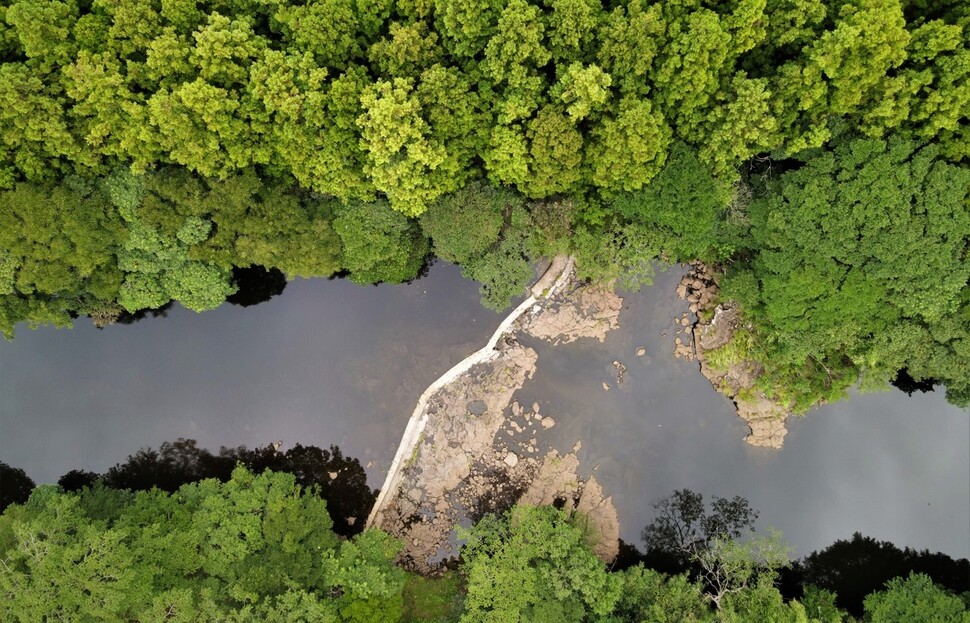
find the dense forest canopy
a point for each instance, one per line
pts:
(262, 548)
(815, 151)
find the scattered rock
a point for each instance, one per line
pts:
(641, 351)
(606, 387)
(548, 422)
(535, 407)
(511, 459)
(620, 371)
(477, 407)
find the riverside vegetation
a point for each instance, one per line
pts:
(814, 152)
(242, 546)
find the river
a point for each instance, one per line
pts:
(330, 362)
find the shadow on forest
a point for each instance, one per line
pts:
(339, 480)
(255, 285)
(905, 383)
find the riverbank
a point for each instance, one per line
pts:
(470, 449)
(716, 326)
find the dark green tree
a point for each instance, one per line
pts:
(861, 266)
(380, 244)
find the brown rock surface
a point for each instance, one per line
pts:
(580, 310)
(764, 416)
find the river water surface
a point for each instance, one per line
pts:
(329, 362)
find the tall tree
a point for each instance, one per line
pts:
(380, 244)
(534, 564)
(915, 598)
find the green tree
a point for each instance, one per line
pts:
(43, 31)
(763, 602)
(583, 89)
(404, 160)
(683, 206)
(313, 122)
(534, 564)
(467, 25)
(504, 270)
(256, 548)
(330, 30)
(627, 150)
(63, 565)
(647, 595)
(743, 573)
(106, 112)
(407, 50)
(572, 26)
(689, 70)
(555, 154)
(868, 40)
(630, 39)
(466, 223)
(915, 598)
(380, 244)
(57, 254)
(513, 58)
(35, 134)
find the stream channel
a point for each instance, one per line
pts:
(330, 362)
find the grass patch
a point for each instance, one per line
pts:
(435, 600)
(740, 348)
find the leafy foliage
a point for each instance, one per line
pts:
(260, 548)
(380, 244)
(643, 114)
(861, 265)
(534, 564)
(339, 480)
(857, 567)
(915, 598)
(255, 547)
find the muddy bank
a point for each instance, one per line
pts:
(716, 325)
(471, 449)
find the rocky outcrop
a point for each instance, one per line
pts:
(470, 450)
(714, 329)
(582, 310)
(557, 483)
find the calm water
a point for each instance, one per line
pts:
(887, 465)
(326, 362)
(331, 362)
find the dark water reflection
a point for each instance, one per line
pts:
(329, 362)
(891, 466)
